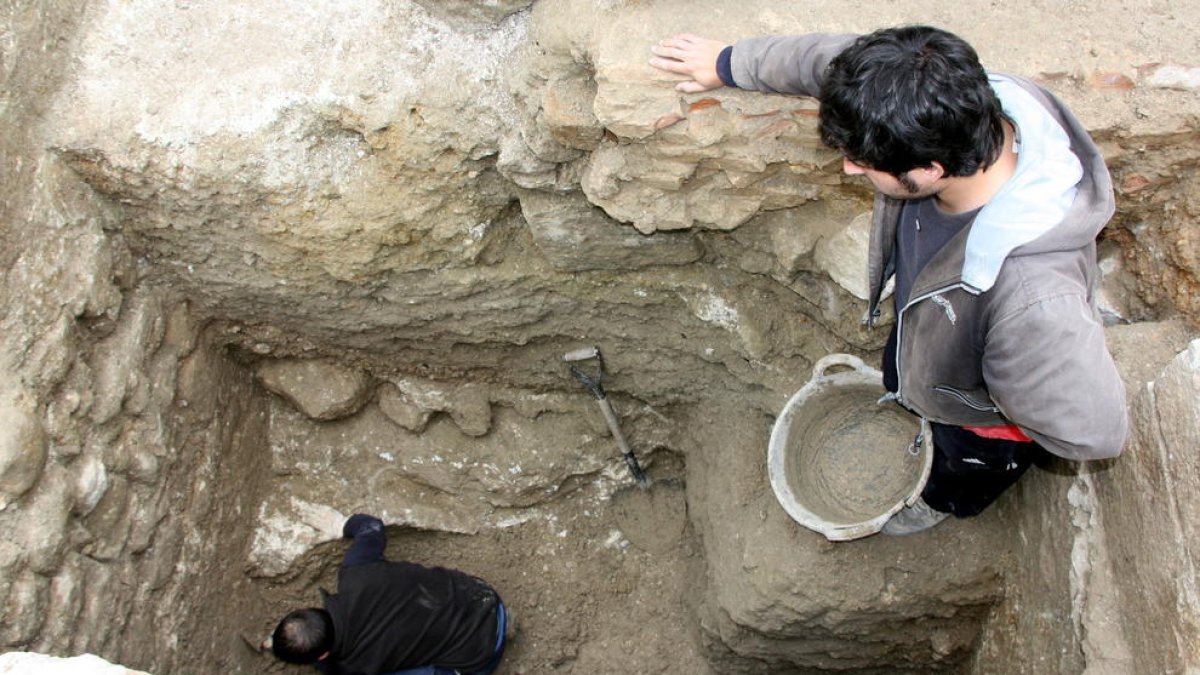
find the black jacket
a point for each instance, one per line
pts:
(390, 616)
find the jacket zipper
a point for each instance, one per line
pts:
(965, 400)
(900, 331)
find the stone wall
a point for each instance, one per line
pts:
(396, 216)
(119, 424)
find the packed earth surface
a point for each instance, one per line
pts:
(267, 265)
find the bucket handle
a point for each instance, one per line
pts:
(830, 360)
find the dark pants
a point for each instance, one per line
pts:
(969, 472)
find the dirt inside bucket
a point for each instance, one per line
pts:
(848, 457)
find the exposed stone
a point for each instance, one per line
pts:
(576, 236)
(469, 406)
(471, 410)
(1171, 76)
(567, 113)
(781, 597)
(319, 388)
(473, 12)
(22, 442)
(91, 482)
(28, 663)
(1110, 81)
(25, 608)
(844, 255)
(1152, 535)
(400, 409)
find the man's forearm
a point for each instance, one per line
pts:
(793, 64)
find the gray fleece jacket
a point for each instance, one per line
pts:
(1001, 325)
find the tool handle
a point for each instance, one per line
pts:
(630, 458)
(582, 354)
(611, 418)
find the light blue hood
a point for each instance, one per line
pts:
(1036, 199)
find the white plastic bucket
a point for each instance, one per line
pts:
(840, 461)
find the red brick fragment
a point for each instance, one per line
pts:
(1110, 81)
(1133, 183)
(703, 103)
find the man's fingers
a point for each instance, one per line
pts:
(672, 66)
(671, 51)
(690, 87)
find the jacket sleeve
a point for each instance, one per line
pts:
(786, 64)
(1049, 371)
(369, 537)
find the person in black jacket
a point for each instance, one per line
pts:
(395, 617)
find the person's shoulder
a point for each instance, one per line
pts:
(1026, 282)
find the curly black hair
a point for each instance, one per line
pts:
(902, 98)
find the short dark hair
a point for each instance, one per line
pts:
(303, 636)
(903, 98)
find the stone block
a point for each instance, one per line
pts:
(567, 113)
(396, 405)
(843, 255)
(22, 442)
(319, 388)
(1151, 507)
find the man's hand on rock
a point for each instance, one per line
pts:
(690, 55)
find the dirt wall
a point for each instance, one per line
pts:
(264, 268)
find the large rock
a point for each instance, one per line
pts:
(1152, 499)
(22, 442)
(319, 388)
(28, 663)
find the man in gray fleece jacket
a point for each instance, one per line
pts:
(989, 197)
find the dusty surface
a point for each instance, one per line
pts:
(214, 212)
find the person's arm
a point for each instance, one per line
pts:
(786, 64)
(369, 537)
(780, 64)
(1048, 368)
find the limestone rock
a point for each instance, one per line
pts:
(321, 389)
(400, 409)
(29, 663)
(471, 410)
(1151, 497)
(576, 236)
(328, 137)
(288, 528)
(844, 255)
(410, 401)
(473, 13)
(22, 443)
(91, 483)
(120, 380)
(781, 598)
(567, 113)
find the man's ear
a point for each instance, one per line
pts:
(323, 656)
(935, 171)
